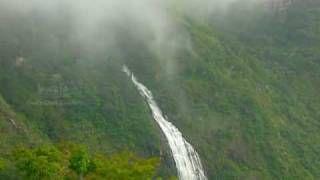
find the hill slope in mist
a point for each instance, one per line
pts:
(241, 84)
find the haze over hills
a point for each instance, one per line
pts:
(240, 82)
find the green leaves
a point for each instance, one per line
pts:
(49, 162)
(126, 165)
(2, 164)
(81, 163)
(40, 163)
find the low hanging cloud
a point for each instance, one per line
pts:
(97, 23)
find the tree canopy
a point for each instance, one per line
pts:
(50, 162)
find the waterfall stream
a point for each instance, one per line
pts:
(187, 160)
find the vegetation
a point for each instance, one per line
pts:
(125, 166)
(2, 164)
(74, 162)
(40, 163)
(243, 89)
(81, 163)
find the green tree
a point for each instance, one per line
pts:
(44, 162)
(81, 163)
(125, 165)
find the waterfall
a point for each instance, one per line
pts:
(187, 160)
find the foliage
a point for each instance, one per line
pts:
(243, 89)
(2, 164)
(40, 163)
(125, 165)
(61, 162)
(81, 163)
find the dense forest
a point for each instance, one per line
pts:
(241, 84)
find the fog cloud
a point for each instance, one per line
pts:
(98, 23)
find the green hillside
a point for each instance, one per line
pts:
(242, 87)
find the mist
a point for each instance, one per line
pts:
(92, 21)
(114, 28)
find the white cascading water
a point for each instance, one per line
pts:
(187, 160)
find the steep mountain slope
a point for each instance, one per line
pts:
(248, 98)
(13, 129)
(242, 87)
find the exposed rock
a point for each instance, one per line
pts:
(20, 61)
